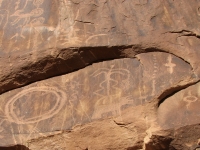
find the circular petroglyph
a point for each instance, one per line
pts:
(189, 99)
(13, 115)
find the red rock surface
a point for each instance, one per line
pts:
(147, 99)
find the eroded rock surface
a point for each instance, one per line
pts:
(100, 91)
(147, 100)
(185, 108)
(44, 38)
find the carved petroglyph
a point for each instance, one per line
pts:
(155, 70)
(66, 32)
(1, 1)
(102, 90)
(96, 36)
(68, 36)
(76, 106)
(37, 32)
(26, 16)
(109, 83)
(14, 116)
(3, 22)
(109, 91)
(189, 99)
(114, 108)
(141, 87)
(37, 3)
(17, 4)
(1, 128)
(72, 88)
(170, 66)
(22, 19)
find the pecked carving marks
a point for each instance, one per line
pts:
(24, 22)
(110, 91)
(170, 66)
(113, 108)
(102, 90)
(3, 23)
(186, 102)
(109, 84)
(10, 108)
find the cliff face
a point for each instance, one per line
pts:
(99, 74)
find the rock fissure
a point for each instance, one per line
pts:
(85, 74)
(43, 68)
(186, 33)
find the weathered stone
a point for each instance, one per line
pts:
(100, 91)
(147, 100)
(185, 108)
(37, 36)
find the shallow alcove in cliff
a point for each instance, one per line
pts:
(16, 147)
(99, 74)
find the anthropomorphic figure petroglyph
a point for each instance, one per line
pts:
(109, 84)
(170, 66)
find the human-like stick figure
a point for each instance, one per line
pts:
(170, 65)
(109, 83)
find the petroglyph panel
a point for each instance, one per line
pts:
(181, 109)
(26, 24)
(99, 91)
(34, 25)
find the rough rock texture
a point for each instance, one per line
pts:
(148, 99)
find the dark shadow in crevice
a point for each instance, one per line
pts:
(65, 61)
(16, 147)
(170, 92)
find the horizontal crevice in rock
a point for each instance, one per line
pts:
(173, 90)
(16, 147)
(186, 33)
(61, 61)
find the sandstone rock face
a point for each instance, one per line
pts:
(100, 91)
(99, 74)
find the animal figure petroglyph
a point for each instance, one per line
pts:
(26, 16)
(115, 108)
(26, 20)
